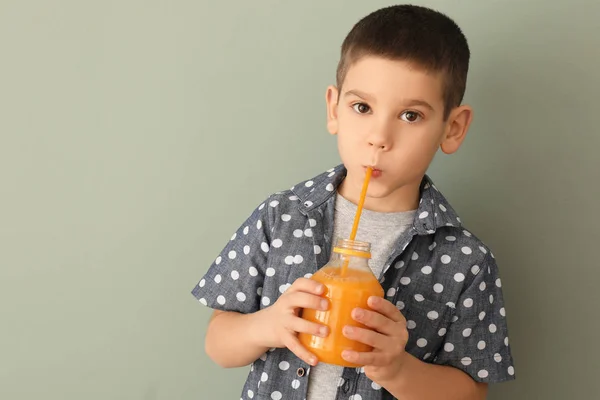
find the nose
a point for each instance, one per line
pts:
(380, 138)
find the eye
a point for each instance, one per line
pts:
(410, 116)
(361, 108)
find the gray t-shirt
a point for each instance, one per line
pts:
(382, 230)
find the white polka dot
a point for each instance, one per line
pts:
(491, 299)
(240, 296)
(270, 271)
(235, 275)
(250, 394)
(234, 236)
(317, 249)
(253, 271)
(298, 259)
(293, 198)
(218, 278)
(295, 384)
(391, 292)
(432, 246)
(467, 332)
(410, 324)
(286, 217)
(423, 215)
(261, 206)
(277, 243)
(274, 203)
(448, 347)
(375, 386)
(426, 356)
(259, 224)
(450, 238)
(266, 301)
(289, 260)
(284, 365)
(246, 250)
(498, 282)
(475, 269)
(446, 259)
(498, 357)
(466, 361)
(218, 260)
(466, 250)
(415, 256)
(483, 250)
(451, 304)
(331, 174)
(276, 395)
(482, 286)
(232, 255)
(405, 280)
(481, 315)
(308, 232)
(455, 318)
(283, 288)
(419, 297)
(438, 288)
(246, 230)
(468, 303)
(493, 328)
(329, 187)
(481, 345)
(221, 300)
(259, 291)
(459, 277)
(308, 276)
(503, 312)
(482, 374)
(506, 341)
(312, 223)
(264, 247)
(309, 183)
(422, 342)
(399, 265)
(442, 332)
(400, 305)
(443, 208)
(203, 301)
(298, 233)
(467, 233)
(511, 371)
(426, 270)
(202, 283)
(433, 315)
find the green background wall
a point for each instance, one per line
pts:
(135, 136)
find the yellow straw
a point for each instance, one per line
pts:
(361, 203)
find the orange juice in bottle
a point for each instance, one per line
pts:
(349, 282)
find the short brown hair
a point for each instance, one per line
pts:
(415, 34)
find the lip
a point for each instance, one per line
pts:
(376, 172)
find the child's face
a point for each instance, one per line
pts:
(397, 110)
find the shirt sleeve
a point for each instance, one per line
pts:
(234, 280)
(477, 340)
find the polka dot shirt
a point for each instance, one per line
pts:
(442, 278)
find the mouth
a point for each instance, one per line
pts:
(376, 172)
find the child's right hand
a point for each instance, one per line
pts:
(283, 322)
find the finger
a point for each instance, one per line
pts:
(367, 336)
(375, 320)
(306, 300)
(306, 285)
(294, 345)
(386, 308)
(370, 358)
(301, 325)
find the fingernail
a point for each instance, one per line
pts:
(324, 304)
(373, 300)
(323, 331)
(348, 330)
(312, 361)
(346, 354)
(320, 289)
(358, 313)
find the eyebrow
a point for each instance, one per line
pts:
(406, 103)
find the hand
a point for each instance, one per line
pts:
(282, 321)
(388, 337)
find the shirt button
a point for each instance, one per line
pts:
(300, 372)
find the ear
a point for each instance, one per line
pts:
(457, 126)
(331, 98)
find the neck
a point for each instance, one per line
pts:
(404, 198)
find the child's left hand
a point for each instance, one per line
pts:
(388, 337)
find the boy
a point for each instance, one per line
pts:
(440, 332)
